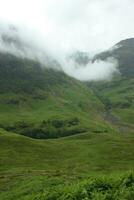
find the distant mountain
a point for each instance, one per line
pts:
(124, 53)
(80, 58)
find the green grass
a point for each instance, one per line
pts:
(118, 97)
(61, 103)
(43, 169)
(31, 169)
(32, 93)
(112, 187)
(70, 168)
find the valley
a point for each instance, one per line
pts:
(64, 139)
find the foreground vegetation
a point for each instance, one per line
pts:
(39, 187)
(66, 168)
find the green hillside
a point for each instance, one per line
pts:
(39, 107)
(31, 168)
(118, 94)
(118, 97)
(45, 103)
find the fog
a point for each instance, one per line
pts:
(57, 28)
(99, 70)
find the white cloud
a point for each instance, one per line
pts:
(79, 24)
(99, 70)
(63, 26)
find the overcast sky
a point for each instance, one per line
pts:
(60, 27)
(89, 25)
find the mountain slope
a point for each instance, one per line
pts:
(124, 53)
(118, 94)
(31, 167)
(42, 102)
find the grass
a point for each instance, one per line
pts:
(102, 187)
(90, 165)
(61, 103)
(118, 97)
(44, 169)
(73, 158)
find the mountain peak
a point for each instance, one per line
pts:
(127, 42)
(123, 52)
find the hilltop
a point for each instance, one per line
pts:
(124, 53)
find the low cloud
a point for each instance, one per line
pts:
(24, 43)
(99, 70)
(17, 41)
(49, 30)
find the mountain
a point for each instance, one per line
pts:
(118, 94)
(39, 106)
(51, 104)
(40, 101)
(79, 58)
(20, 75)
(124, 53)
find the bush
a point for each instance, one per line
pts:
(47, 128)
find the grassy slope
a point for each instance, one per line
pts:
(119, 93)
(27, 165)
(31, 93)
(61, 102)
(118, 97)
(123, 94)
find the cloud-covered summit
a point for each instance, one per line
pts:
(61, 27)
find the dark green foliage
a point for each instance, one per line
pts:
(73, 122)
(57, 123)
(47, 128)
(26, 76)
(125, 104)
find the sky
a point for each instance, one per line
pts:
(65, 26)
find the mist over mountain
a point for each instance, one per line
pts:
(13, 40)
(80, 65)
(123, 52)
(57, 28)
